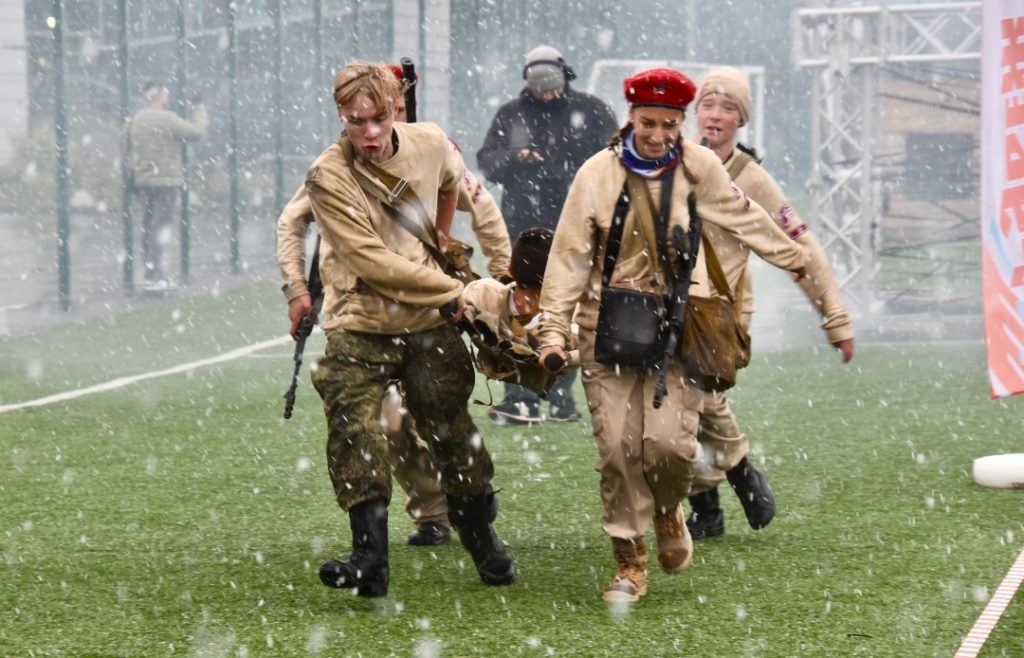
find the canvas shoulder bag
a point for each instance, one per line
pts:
(714, 344)
(631, 324)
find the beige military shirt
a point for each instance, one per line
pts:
(474, 199)
(378, 277)
(819, 285)
(575, 265)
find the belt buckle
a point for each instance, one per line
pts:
(396, 194)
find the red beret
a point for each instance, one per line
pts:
(397, 70)
(660, 87)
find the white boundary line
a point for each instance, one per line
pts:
(126, 381)
(997, 605)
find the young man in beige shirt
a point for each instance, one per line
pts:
(383, 288)
(723, 106)
(413, 468)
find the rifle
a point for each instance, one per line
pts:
(316, 292)
(409, 78)
(687, 250)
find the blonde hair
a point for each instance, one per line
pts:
(375, 80)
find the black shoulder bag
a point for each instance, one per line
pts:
(631, 325)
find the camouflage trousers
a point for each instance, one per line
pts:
(437, 375)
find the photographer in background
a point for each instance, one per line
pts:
(533, 148)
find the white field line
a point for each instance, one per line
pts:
(127, 381)
(975, 639)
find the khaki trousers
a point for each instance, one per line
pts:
(720, 436)
(723, 442)
(411, 463)
(647, 457)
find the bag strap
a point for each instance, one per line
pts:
(654, 234)
(611, 252)
(398, 197)
(714, 268)
(715, 272)
(744, 156)
(739, 161)
(738, 303)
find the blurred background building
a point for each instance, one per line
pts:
(13, 75)
(903, 240)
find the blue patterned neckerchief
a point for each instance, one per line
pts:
(644, 167)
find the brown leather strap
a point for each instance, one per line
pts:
(396, 195)
(643, 210)
(715, 272)
(738, 303)
(740, 160)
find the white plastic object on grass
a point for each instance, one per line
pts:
(1000, 471)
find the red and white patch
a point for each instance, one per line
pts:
(789, 223)
(740, 194)
(472, 184)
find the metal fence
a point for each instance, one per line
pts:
(252, 66)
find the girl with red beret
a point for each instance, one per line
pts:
(647, 457)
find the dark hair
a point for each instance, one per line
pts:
(530, 256)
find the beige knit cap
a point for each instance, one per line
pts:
(731, 82)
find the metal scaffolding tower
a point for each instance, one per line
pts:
(846, 49)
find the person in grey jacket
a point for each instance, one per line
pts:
(154, 139)
(533, 148)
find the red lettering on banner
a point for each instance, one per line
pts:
(1011, 209)
(1013, 53)
(1014, 158)
(1014, 112)
(1017, 278)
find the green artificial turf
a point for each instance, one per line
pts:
(184, 516)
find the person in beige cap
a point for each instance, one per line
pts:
(647, 456)
(723, 106)
(534, 146)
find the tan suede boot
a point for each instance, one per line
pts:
(675, 546)
(630, 582)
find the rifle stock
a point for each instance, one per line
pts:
(687, 250)
(409, 78)
(316, 293)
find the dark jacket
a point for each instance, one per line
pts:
(565, 132)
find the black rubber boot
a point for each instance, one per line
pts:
(429, 534)
(366, 570)
(471, 516)
(707, 519)
(755, 495)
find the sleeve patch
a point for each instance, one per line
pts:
(789, 223)
(740, 194)
(472, 184)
